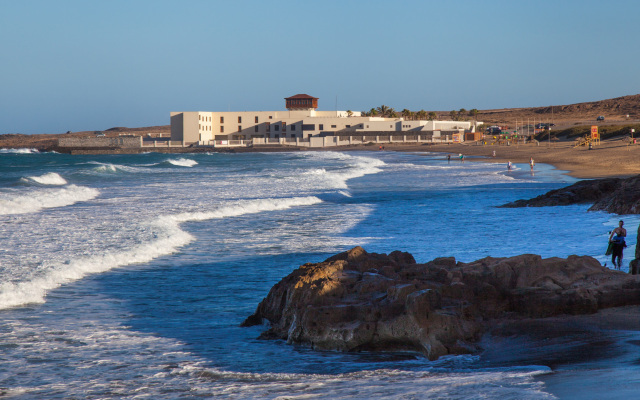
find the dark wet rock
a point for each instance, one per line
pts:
(613, 195)
(357, 301)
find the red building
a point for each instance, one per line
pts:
(301, 102)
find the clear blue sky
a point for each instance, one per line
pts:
(92, 65)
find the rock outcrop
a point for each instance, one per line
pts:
(614, 195)
(357, 301)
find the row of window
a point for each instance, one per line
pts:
(305, 127)
(203, 118)
(256, 120)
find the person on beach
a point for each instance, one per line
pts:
(494, 154)
(531, 163)
(618, 244)
(448, 158)
(509, 166)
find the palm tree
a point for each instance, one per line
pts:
(454, 115)
(383, 110)
(422, 114)
(349, 113)
(373, 112)
(432, 115)
(392, 113)
(474, 113)
(406, 113)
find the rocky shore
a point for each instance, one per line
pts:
(359, 301)
(613, 195)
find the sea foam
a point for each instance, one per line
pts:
(50, 178)
(36, 200)
(182, 162)
(169, 238)
(20, 151)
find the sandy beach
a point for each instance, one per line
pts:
(612, 158)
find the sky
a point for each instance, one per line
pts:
(78, 65)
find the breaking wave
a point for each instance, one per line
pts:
(50, 178)
(169, 237)
(35, 200)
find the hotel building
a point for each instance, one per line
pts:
(300, 120)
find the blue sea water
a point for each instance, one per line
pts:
(127, 276)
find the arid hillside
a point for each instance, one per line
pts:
(614, 110)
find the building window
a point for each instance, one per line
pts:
(277, 128)
(256, 119)
(348, 126)
(293, 127)
(321, 127)
(284, 127)
(239, 128)
(367, 126)
(222, 120)
(221, 129)
(334, 126)
(270, 117)
(268, 126)
(239, 120)
(256, 128)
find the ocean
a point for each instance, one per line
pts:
(128, 276)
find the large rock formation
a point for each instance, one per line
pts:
(357, 301)
(614, 195)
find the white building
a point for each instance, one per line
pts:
(300, 120)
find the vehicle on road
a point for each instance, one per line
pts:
(600, 118)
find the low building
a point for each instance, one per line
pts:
(301, 120)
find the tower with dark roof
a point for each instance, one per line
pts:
(301, 102)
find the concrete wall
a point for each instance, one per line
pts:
(121, 142)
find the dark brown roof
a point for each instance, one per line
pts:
(300, 96)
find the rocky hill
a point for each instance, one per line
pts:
(615, 110)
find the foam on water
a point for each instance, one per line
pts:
(32, 201)
(50, 178)
(382, 383)
(19, 151)
(168, 238)
(109, 168)
(182, 162)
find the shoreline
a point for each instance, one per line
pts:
(613, 158)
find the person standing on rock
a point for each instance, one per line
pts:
(617, 240)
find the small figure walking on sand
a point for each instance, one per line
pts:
(461, 157)
(531, 163)
(616, 239)
(509, 166)
(494, 154)
(448, 158)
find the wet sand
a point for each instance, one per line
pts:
(593, 356)
(612, 158)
